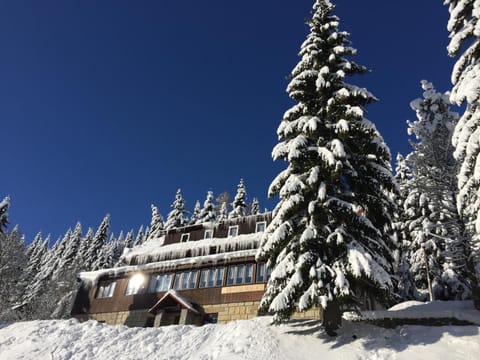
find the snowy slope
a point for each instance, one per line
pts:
(247, 339)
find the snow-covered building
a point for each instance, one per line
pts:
(190, 275)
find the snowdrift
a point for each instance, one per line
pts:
(242, 340)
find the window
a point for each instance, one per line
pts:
(208, 234)
(106, 289)
(211, 318)
(186, 280)
(136, 284)
(203, 279)
(240, 274)
(185, 237)
(233, 230)
(219, 277)
(260, 226)
(263, 274)
(211, 277)
(160, 282)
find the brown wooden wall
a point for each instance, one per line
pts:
(86, 302)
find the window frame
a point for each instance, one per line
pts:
(142, 289)
(230, 228)
(166, 282)
(105, 289)
(208, 231)
(187, 235)
(264, 223)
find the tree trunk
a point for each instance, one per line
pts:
(332, 317)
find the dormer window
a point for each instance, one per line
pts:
(260, 226)
(208, 234)
(233, 231)
(185, 237)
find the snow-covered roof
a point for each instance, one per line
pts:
(170, 257)
(155, 251)
(175, 296)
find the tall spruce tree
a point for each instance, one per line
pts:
(431, 217)
(255, 209)
(176, 217)
(326, 242)
(4, 204)
(98, 242)
(194, 219)
(208, 213)
(156, 224)
(239, 203)
(464, 28)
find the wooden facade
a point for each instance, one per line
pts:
(176, 284)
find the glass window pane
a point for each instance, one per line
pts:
(178, 276)
(219, 279)
(231, 275)
(233, 231)
(260, 227)
(261, 272)
(211, 278)
(240, 274)
(184, 282)
(203, 279)
(248, 273)
(111, 289)
(167, 280)
(193, 279)
(153, 283)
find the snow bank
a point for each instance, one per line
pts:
(460, 310)
(242, 340)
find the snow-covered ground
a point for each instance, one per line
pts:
(243, 340)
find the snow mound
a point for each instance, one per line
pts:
(242, 340)
(460, 310)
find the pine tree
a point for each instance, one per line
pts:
(82, 258)
(255, 207)
(12, 262)
(156, 225)
(463, 26)
(4, 204)
(98, 241)
(129, 239)
(176, 217)
(223, 212)
(239, 204)
(196, 213)
(140, 238)
(405, 284)
(208, 213)
(326, 242)
(430, 207)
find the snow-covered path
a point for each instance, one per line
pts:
(247, 339)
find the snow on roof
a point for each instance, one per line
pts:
(155, 251)
(178, 298)
(92, 277)
(461, 310)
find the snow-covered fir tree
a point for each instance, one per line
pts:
(239, 204)
(430, 208)
(12, 262)
(156, 224)
(82, 258)
(405, 285)
(129, 239)
(176, 217)
(223, 212)
(141, 237)
(4, 204)
(464, 28)
(255, 209)
(98, 241)
(194, 219)
(208, 213)
(327, 243)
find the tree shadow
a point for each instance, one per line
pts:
(372, 337)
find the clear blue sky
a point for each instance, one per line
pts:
(109, 106)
